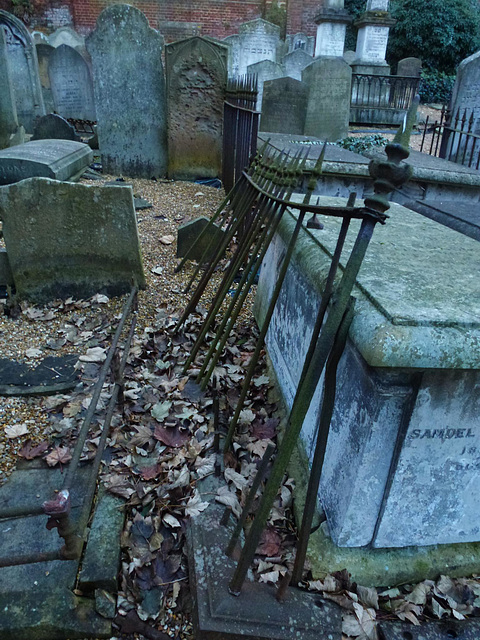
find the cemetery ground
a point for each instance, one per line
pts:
(161, 441)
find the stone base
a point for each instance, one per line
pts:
(358, 66)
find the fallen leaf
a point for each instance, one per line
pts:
(368, 596)
(270, 543)
(157, 270)
(99, 298)
(33, 352)
(16, 430)
(30, 452)
(167, 239)
(171, 520)
(269, 576)
(94, 354)
(161, 410)
(238, 480)
(171, 436)
(195, 505)
(59, 455)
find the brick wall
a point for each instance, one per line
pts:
(174, 18)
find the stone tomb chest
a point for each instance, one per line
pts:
(402, 464)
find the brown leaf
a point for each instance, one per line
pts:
(150, 473)
(171, 436)
(30, 452)
(265, 430)
(59, 455)
(167, 239)
(270, 543)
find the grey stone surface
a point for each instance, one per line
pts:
(409, 67)
(129, 90)
(438, 630)
(58, 159)
(8, 109)
(71, 84)
(256, 40)
(43, 55)
(328, 110)
(68, 36)
(6, 277)
(284, 106)
(54, 127)
(408, 383)
(466, 100)
(196, 80)
(65, 239)
(188, 238)
(265, 70)
(300, 42)
(23, 64)
(53, 374)
(464, 217)
(295, 62)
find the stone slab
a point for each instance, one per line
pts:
(187, 237)
(255, 613)
(54, 374)
(65, 239)
(441, 630)
(57, 159)
(463, 217)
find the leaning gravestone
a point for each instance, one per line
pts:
(328, 110)
(196, 81)
(295, 62)
(192, 239)
(65, 239)
(129, 90)
(43, 55)
(409, 67)
(284, 106)
(71, 84)
(256, 40)
(10, 133)
(466, 100)
(58, 159)
(54, 127)
(22, 58)
(265, 70)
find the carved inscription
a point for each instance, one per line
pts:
(441, 434)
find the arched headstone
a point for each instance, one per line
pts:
(71, 84)
(43, 55)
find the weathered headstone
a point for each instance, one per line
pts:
(256, 40)
(302, 42)
(54, 127)
(199, 247)
(65, 239)
(129, 90)
(332, 20)
(409, 67)
(284, 106)
(466, 101)
(372, 39)
(66, 35)
(265, 70)
(328, 110)
(44, 51)
(22, 58)
(196, 79)
(57, 159)
(10, 133)
(71, 84)
(349, 56)
(295, 62)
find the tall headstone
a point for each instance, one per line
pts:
(129, 89)
(196, 81)
(328, 111)
(43, 54)
(284, 106)
(22, 59)
(265, 70)
(71, 84)
(8, 112)
(372, 39)
(301, 41)
(466, 100)
(256, 40)
(295, 62)
(332, 22)
(411, 67)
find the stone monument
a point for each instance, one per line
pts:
(295, 62)
(22, 59)
(54, 127)
(265, 70)
(71, 84)
(256, 40)
(284, 106)
(44, 51)
(372, 38)
(129, 89)
(196, 71)
(302, 42)
(10, 132)
(332, 23)
(411, 67)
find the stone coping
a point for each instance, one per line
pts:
(418, 293)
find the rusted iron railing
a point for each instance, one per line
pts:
(453, 138)
(240, 127)
(83, 126)
(58, 509)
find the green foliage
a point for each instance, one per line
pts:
(436, 86)
(22, 8)
(439, 32)
(363, 143)
(355, 8)
(277, 15)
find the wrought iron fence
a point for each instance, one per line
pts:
(240, 127)
(453, 138)
(385, 92)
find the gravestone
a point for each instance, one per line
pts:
(199, 247)
(284, 106)
(57, 159)
(71, 84)
(265, 70)
(372, 39)
(54, 127)
(65, 239)
(409, 67)
(328, 110)
(44, 51)
(295, 62)
(196, 80)
(22, 58)
(256, 40)
(129, 89)
(66, 35)
(332, 20)
(10, 133)
(302, 42)
(466, 100)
